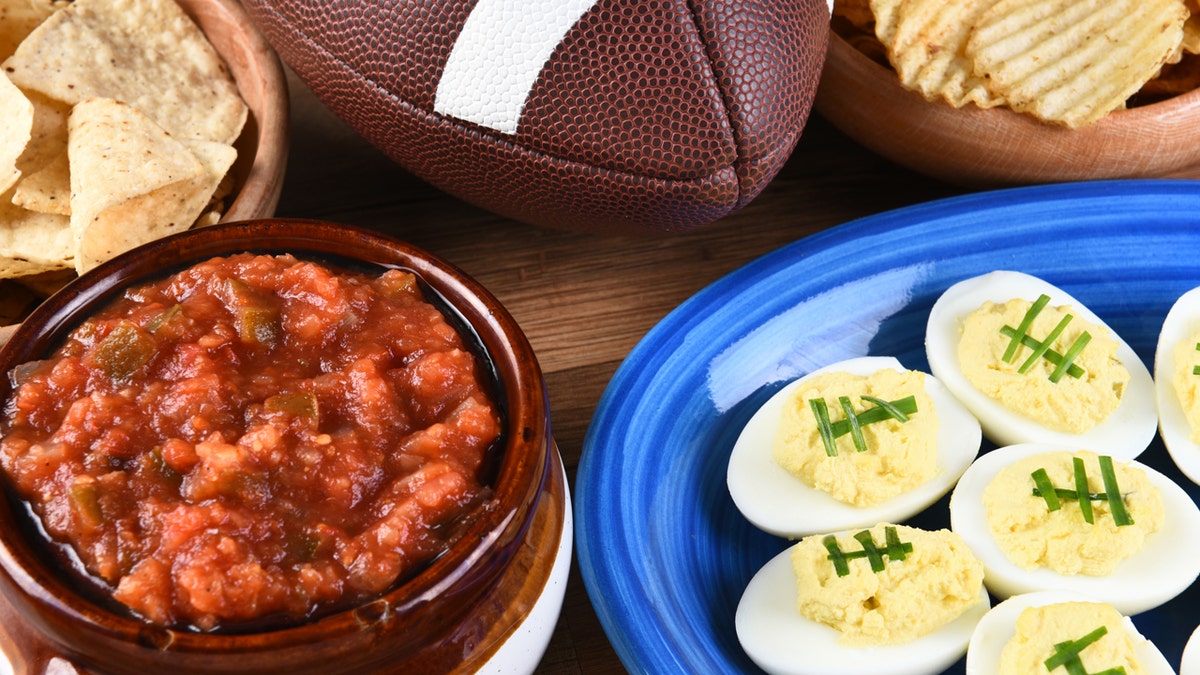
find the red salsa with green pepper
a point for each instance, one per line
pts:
(254, 437)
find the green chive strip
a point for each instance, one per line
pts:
(899, 410)
(1052, 356)
(821, 411)
(1064, 493)
(1081, 488)
(1045, 489)
(1044, 345)
(874, 555)
(892, 410)
(1196, 369)
(836, 555)
(856, 435)
(1018, 336)
(1069, 650)
(896, 549)
(905, 407)
(1115, 501)
(1073, 353)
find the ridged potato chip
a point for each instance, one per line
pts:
(1074, 61)
(856, 12)
(1068, 62)
(1191, 28)
(926, 41)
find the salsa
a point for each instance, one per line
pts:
(253, 437)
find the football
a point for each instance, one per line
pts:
(607, 116)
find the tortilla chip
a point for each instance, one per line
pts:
(48, 137)
(147, 53)
(19, 18)
(131, 182)
(17, 113)
(45, 185)
(47, 190)
(208, 219)
(216, 158)
(31, 242)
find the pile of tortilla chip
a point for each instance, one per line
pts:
(119, 124)
(1068, 62)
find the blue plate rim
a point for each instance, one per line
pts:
(644, 648)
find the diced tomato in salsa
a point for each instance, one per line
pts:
(254, 437)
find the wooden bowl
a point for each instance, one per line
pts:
(263, 146)
(997, 147)
(502, 582)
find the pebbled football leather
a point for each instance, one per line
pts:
(648, 115)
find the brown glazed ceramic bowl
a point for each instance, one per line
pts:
(456, 615)
(997, 147)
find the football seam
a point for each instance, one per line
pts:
(740, 158)
(565, 162)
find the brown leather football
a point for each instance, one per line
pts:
(616, 116)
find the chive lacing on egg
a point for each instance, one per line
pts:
(893, 549)
(898, 410)
(1064, 364)
(1112, 492)
(1066, 655)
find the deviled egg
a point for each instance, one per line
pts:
(1035, 365)
(1177, 383)
(1190, 662)
(902, 468)
(889, 600)
(1059, 626)
(1018, 508)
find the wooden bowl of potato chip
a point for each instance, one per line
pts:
(1154, 132)
(126, 122)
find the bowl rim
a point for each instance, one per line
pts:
(495, 536)
(977, 147)
(264, 89)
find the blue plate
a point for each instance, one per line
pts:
(664, 553)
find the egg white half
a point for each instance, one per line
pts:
(779, 503)
(1124, 435)
(783, 642)
(1181, 322)
(1190, 664)
(1166, 565)
(999, 626)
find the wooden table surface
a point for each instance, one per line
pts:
(584, 300)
